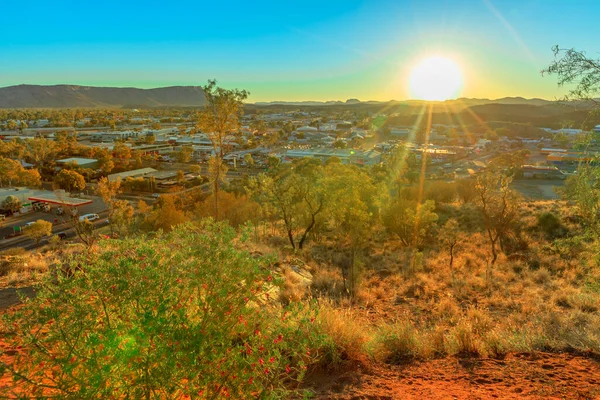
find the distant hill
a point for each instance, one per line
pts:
(455, 103)
(65, 96)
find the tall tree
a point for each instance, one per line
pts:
(352, 210)
(40, 150)
(11, 203)
(450, 236)
(13, 173)
(108, 191)
(219, 120)
(184, 155)
(70, 180)
(122, 153)
(499, 206)
(296, 194)
(121, 216)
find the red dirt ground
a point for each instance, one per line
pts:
(517, 376)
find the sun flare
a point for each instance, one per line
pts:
(436, 78)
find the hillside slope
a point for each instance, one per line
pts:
(57, 96)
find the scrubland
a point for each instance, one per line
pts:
(383, 304)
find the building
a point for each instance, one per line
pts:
(113, 136)
(328, 140)
(91, 163)
(136, 173)
(307, 129)
(401, 132)
(541, 172)
(549, 150)
(569, 158)
(346, 156)
(30, 197)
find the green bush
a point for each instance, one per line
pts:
(550, 224)
(181, 314)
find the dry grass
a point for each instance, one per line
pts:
(19, 267)
(546, 297)
(348, 335)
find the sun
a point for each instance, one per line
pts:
(436, 78)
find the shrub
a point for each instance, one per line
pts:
(398, 343)
(465, 189)
(550, 224)
(181, 314)
(346, 337)
(442, 192)
(463, 339)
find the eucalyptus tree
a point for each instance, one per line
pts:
(219, 120)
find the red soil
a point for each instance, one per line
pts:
(517, 376)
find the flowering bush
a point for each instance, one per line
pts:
(182, 315)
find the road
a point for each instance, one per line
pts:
(63, 227)
(60, 225)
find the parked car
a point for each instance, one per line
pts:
(89, 217)
(62, 235)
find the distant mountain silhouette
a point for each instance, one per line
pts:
(455, 103)
(64, 96)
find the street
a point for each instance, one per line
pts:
(59, 221)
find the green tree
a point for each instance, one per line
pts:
(352, 210)
(184, 155)
(410, 222)
(105, 159)
(584, 189)
(12, 173)
(11, 203)
(180, 177)
(295, 193)
(340, 144)
(465, 189)
(499, 206)
(218, 120)
(195, 169)
(121, 216)
(122, 153)
(249, 160)
(450, 237)
(38, 230)
(273, 161)
(577, 71)
(70, 181)
(108, 191)
(150, 139)
(40, 151)
(166, 215)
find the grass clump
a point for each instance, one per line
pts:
(397, 343)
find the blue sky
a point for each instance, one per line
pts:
(292, 50)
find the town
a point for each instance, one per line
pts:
(154, 152)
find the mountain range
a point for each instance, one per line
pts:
(68, 96)
(463, 101)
